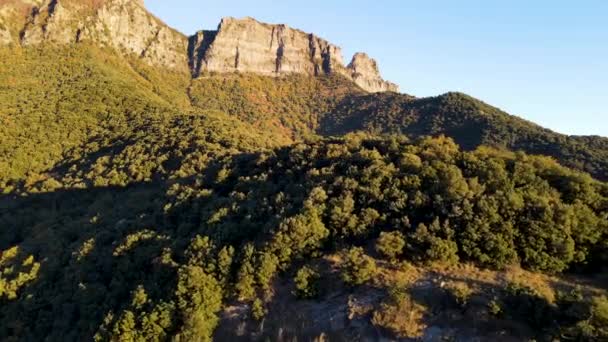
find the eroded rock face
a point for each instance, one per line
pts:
(246, 45)
(128, 26)
(238, 45)
(123, 24)
(364, 71)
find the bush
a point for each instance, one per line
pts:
(460, 292)
(307, 283)
(390, 245)
(400, 315)
(598, 321)
(358, 267)
(258, 311)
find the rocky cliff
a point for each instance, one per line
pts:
(365, 72)
(238, 45)
(246, 45)
(122, 24)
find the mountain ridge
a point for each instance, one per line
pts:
(238, 45)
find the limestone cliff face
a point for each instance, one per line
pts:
(246, 45)
(364, 71)
(238, 45)
(122, 24)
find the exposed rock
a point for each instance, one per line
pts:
(123, 24)
(364, 71)
(246, 45)
(238, 45)
(50, 22)
(128, 26)
(197, 47)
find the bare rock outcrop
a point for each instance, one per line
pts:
(365, 73)
(128, 26)
(238, 45)
(122, 24)
(247, 45)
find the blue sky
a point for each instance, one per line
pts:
(545, 61)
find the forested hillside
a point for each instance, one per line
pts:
(140, 204)
(44, 114)
(162, 257)
(469, 121)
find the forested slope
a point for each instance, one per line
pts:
(469, 121)
(162, 257)
(139, 204)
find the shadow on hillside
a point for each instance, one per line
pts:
(391, 113)
(73, 234)
(95, 246)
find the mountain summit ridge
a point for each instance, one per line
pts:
(238, 45)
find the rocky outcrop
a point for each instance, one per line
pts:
(128, 26)
(364, 71)
(246, 45)
(238, 45)
(122, 24)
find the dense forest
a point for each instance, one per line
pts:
(163, 261)
(138, 204)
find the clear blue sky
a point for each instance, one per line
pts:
(545, 61)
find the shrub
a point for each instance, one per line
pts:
(358, 267)
(307, 283)
(400, 315)
(390, 245)
(258, 311)
(460, 292)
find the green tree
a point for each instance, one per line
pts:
(245, 284)
(199, 298)
(390, 244)
(358, 267)
(307, 283)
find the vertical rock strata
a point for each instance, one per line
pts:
(238, 45)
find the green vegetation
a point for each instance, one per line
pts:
(290, 106)
(390, 245)
(243, 219)
(358, 267)
(137, 204)
(470, 122)
(307, 283)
